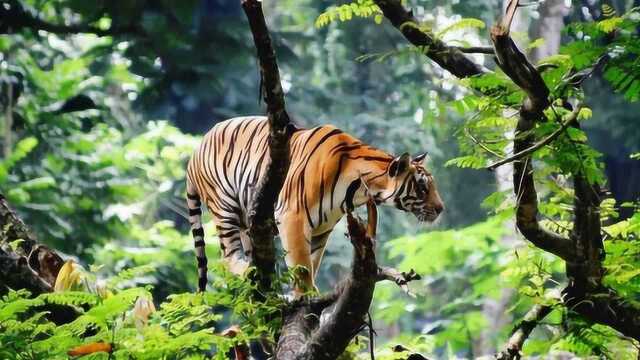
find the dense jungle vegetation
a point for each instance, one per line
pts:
(103, 102)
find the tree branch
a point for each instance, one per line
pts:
(565, 124)
(522, 331)
(347, 317)
(449, 58)
(24, 265)
(304, 335)
(488, 50)
(261, 214)
(515, 64)
(12, 228)
(604, 306)
(300, 339)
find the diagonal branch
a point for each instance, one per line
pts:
(261, 214)
(448, 57)
(522, 331)
(539, 145)
(487, 50)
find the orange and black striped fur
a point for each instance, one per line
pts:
(330, 173)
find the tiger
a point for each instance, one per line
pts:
(330, 173)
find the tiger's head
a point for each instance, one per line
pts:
(410, 187)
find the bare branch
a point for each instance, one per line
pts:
(401, 278)
(488, 50)
(515, 64)
(522, 331)
(510, 12)
(449, 58)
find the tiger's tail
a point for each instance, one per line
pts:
(195, 219)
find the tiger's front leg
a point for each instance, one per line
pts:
(297, 247)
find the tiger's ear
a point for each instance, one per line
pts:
(399, 165)
(420, 158)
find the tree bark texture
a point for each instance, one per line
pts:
(23, 263)
(304, 336)
(261, 214)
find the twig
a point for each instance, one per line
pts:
(570, 120)
(479, 143)
(448, 57)
(401, 278)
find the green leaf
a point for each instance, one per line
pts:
(465, 23)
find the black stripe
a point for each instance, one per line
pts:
(198, 232)
(351, 192)
(335, 179)
(193, 196)
(202, 283)
(232, 251)
(321, 197)
(229, 233)
(202, 261)
(194, 212)
(199, 243)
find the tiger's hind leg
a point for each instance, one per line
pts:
(232, 238)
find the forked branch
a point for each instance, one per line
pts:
(304, 335)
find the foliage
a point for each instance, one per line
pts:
(361, 8)
(186, 325)
(613, 37)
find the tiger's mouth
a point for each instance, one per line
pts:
(426, 215)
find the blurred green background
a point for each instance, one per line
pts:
(97, 131)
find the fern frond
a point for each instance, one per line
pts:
(462, 24)
(360, 8)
